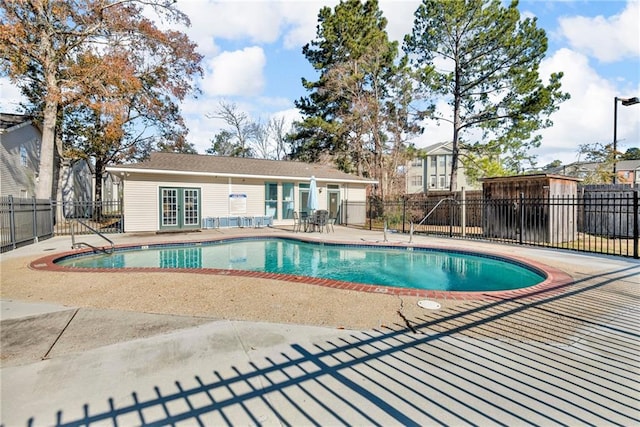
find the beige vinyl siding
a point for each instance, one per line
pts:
(354, 193)
(215, 196)
(141, 201)
(254, 189)
(215, 199)
(141, 193)
(141, 204)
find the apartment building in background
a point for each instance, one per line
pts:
(433, 171)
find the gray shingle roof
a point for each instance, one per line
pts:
(234, 166)
(628, 165)
(7, 121)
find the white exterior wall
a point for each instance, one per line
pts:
(142, 204)
(353, 193)
(356, 193)
(141, 199)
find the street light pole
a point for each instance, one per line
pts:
(626, 102)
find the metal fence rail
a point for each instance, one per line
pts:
(105, 216)
(598, 222)
(26, 221)
(601, 222)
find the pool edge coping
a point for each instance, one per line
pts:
(556, 280)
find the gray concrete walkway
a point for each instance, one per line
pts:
(563, 357)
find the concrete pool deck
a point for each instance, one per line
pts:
(190, 349)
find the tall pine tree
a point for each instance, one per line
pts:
(487, 70)
(352, 113)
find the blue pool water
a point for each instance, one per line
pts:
(399, 267)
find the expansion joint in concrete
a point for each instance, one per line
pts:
(46, 355)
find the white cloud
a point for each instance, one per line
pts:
(235, 73)
(301, 19)
(608, 39)
(290, 115)
(400, 17)
(230, 20)
(11, 96)
(256, 22)
(436, 131)
(588, 116)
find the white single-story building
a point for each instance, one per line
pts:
(171, 192)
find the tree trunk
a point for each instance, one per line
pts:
(61, 197)
(44, 184)
(454, 157)
(456, 129)
(98, 189)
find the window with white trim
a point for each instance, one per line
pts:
(24, 159)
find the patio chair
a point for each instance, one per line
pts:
(331, 221)
(297, 222)
(304, 220)
(320, 220)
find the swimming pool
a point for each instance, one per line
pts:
(399, 267)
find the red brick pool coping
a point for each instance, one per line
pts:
(556, 280)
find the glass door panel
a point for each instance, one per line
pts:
(333, 203)
(191, 208)
(179, 208)
(287, 200)
(169, 207)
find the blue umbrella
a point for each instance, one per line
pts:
(312, 202)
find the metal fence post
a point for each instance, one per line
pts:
(636, 225)
(344, 213)
(121, 210)
(450, 212)
(12, 222)
(52, 216)
(404, 212)
(463, 212)
(521, 219)
(35, 219)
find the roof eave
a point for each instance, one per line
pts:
(115, 169)
(16, 126)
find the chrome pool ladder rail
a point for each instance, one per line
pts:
(76, 245)
(436, 207)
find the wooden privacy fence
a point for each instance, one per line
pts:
(605, 222)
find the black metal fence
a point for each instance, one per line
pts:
(26, 221)
(105, 217)
(599, 222)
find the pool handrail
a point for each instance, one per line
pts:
(76, 245)
(436, 207)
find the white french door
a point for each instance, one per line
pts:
(179, 208)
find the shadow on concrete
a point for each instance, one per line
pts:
(560, 356)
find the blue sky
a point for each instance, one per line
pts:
(253, 58)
